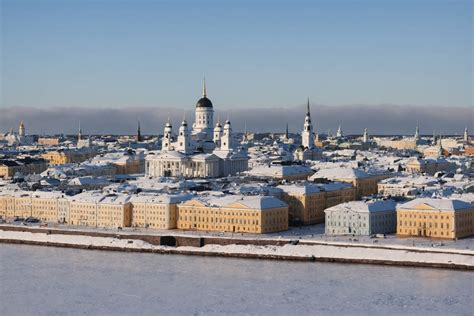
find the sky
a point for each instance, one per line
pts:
(136, 57)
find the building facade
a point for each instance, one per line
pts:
(242, 214)
(307, 202)
(156, 212)
(435, 218)
(361, 218)
(27, 165)
(64, 156)
(365, 184)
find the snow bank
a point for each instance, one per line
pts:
(328, 252)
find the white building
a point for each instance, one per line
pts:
(361, 218)
(203, 151)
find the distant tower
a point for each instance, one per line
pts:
(466, 135)
(79, 133)
(167, 136)
(365, 138)
(339, 132)
(417, 133)
(217, 133)
(434, 138)
(21, 129)
(184, 138)
(287, 135)
(204, 114)
(226, 140)
(307, 136)
(440, 146)
(139, 134)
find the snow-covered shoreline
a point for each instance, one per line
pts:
(446, 258)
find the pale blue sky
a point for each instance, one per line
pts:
(253, 53)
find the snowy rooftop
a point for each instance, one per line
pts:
(442, 204)
(309, 188)
(161, 198)
(411, 180)
(279, 170)
(365, 207)
(339, 173)
(256, 202)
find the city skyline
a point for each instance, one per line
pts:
(255, 54)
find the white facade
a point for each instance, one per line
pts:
(361, 218)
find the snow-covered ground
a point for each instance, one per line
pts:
(317, 250)
(303, 233)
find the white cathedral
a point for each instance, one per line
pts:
(204, 151)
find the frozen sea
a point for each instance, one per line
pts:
(38, 280)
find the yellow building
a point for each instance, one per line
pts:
(404, 143)
(114, 211)
(7, 204)
(281, 172)
(364, 183)
(152, 211)
(83, 209)
(95, 209)
(308, 202)
(64, 156)
(234, 213)
(26, 165)
(437, 218)
(44, 205)
(123, 162)
(22, 204)
(48, 141)
(428, 166)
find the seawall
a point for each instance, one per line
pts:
(242, 248)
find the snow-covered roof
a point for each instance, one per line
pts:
(255, 202)
(309, 188)
(442, 204)
(280, 170)
(161, 198)
(364, 206)
(88, 180)
(339, 173)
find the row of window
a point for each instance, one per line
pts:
(424, 216)
(420, 224)
(218, 220)
(416, 232)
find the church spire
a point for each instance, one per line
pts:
(307, 109)
(21, 129)
(286, 133)
(139, 134)
(204, 87)
(79, 134)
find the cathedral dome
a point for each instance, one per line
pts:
(204, 102)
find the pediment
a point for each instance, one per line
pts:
(423, 206)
